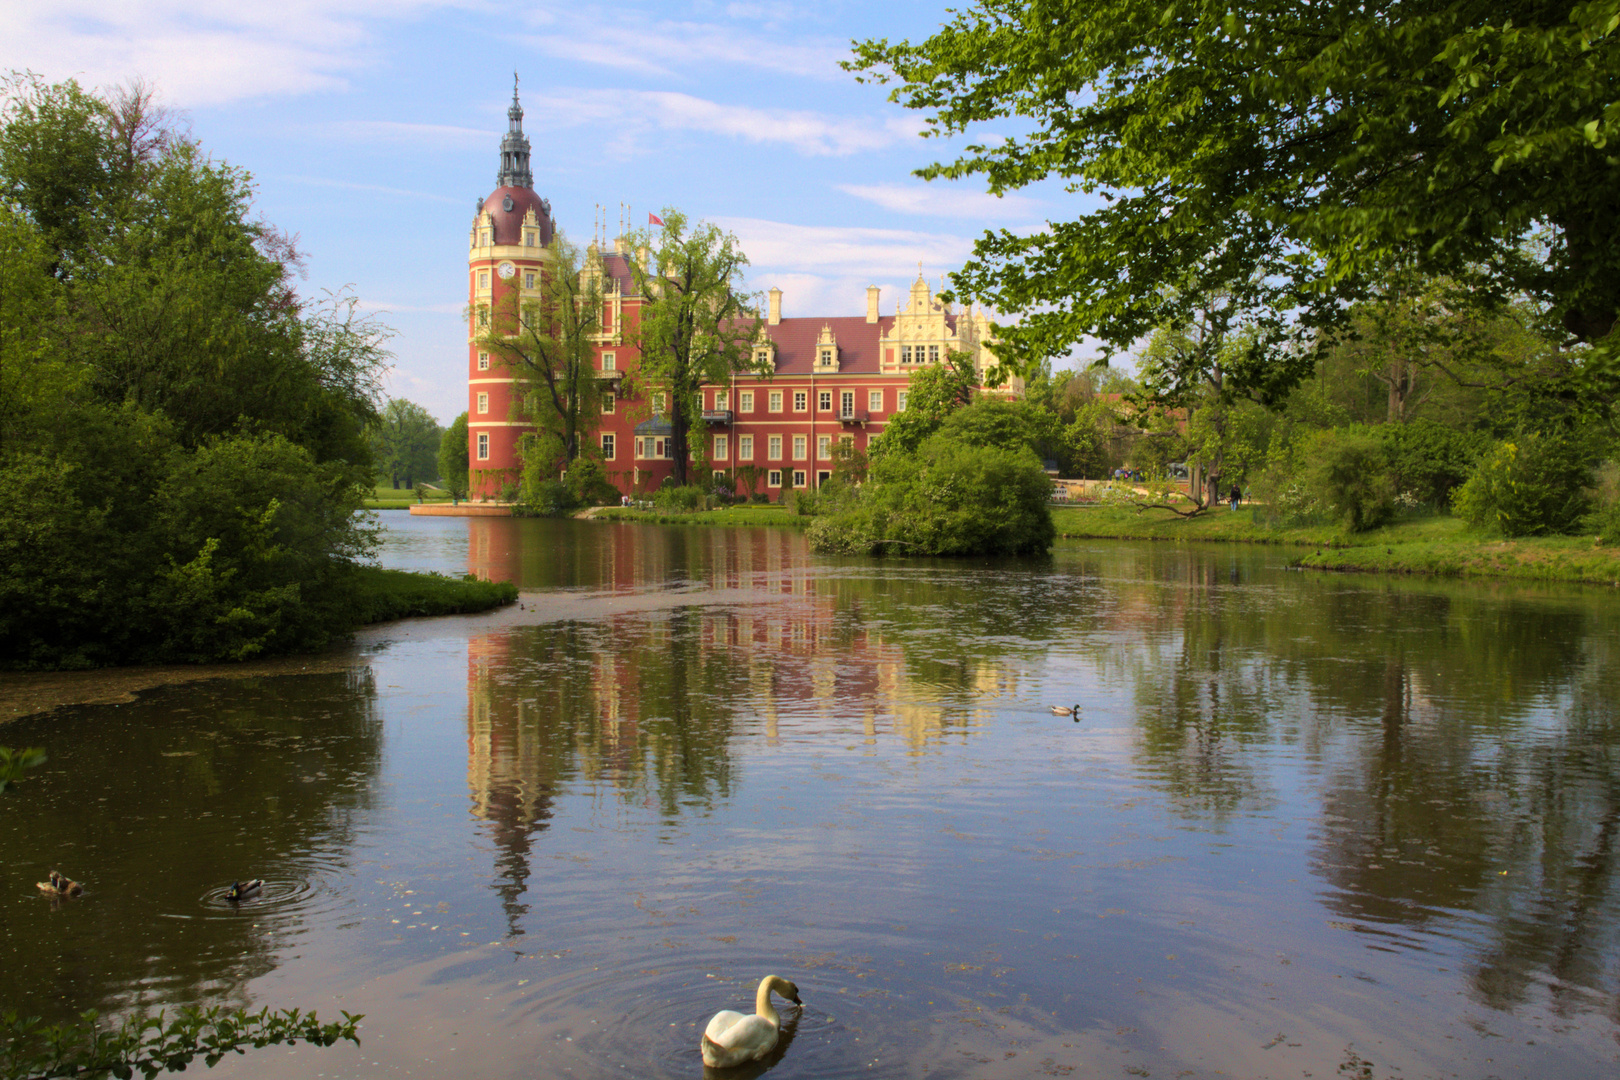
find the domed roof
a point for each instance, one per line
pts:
(508, 205)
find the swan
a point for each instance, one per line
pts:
(733, 1038)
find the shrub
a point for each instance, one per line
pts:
(548, 498)
(1531, 485)
(947, 499)
(680, 500)
(1348, 475)
(1428, 461)
(588, 484)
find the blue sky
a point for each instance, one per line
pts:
(372, 128)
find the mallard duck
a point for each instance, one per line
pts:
(1072, 710)
(241, 890)
(57, 885)
(733, 1038)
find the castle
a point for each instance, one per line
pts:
(830, 378)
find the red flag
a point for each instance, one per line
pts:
(654, 219)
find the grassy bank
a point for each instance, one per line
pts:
(749, 514)
(1430, 545)
(400, 594)
(388, 497)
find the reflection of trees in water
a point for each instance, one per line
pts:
(1473, 748)
(154, 803)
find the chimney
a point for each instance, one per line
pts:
(871, 303)
(776, 306)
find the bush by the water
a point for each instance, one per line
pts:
(1349, 475)
(1533, 484)
(182, 436)
(949, 498)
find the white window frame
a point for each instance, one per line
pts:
(823, 447)
(745, 401)
(773, 448)
(801, 401)
(722, 448)
(483, 446)
(801, 447)
(609, 446)
(824, 400)
(933, 354)
(874, 401)
(483, 279)
(846, 403)
(609, 401)
(528, 279)
(773, 478)
(798, 479)
(610, 362)
(658, 402)
(900, 400)
(483, 404)
(775, 401)
(905, 354)
(745, 448)
(483, 361)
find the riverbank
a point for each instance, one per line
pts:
(1432, 545)
(741, 515)
(385, 595)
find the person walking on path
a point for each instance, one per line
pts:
(1237, 496)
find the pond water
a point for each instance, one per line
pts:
(1302, 825)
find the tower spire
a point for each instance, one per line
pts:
(515, 147)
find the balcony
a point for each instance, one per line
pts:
(852, 416)
(717, 416)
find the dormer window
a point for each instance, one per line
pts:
(530, 238)
(826, 357)
(483, 238)
(762, 357)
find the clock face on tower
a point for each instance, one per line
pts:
(506, 269)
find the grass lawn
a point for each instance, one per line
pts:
(742, 514)
(401, 594)
(387, 497)
(1430, 545)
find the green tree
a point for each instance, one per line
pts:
(544, 336)
(405, 442)
(1304, 147)
(933, 394)
(948, 498)
(453, 458)
(697, 326)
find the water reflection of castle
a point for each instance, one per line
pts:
(679, 641)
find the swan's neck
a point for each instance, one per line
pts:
(762, 1001)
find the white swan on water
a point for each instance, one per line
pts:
(733, 1038)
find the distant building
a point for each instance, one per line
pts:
(834, 378)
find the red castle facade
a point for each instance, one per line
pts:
(832, 378)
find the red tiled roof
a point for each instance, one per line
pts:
(857, 343)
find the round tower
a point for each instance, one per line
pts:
(506, 262)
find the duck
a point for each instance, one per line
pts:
(58, 885)
(241, 890)
(733, 1038)
(1059, 710)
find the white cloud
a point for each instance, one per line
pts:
(943, 201)
(393, 131)
(632, 114)
(665, 47)
(404, 193)
(869, 255)
(197, 53)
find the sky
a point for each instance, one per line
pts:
(372, 130)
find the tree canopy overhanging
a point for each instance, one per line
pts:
(1303, 146)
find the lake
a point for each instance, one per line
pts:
(1300, 825)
